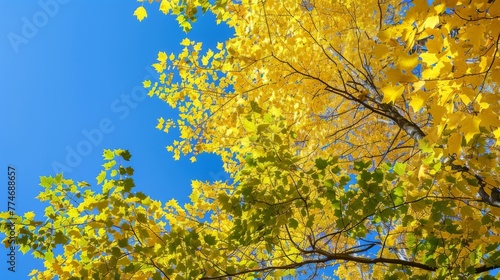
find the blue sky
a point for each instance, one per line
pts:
(70, 69)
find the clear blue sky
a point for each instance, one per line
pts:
(69, 68)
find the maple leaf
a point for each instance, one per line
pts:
(391, 93)
(140, 13)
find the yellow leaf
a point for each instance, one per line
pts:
(185, 42)
(380, 50)
(249, 126)
(423, 172)
(497, 136)
(466, 211)
(146, 84)
(140, 13)
(29, 215)
(165, 6)
(455, 143)
(73, 213)
(107, 186)
(197, 47)
(470, 126)
(417, 102)
(483, 64)
(434, 45)
(408, 62)
(439, 8)
(160, 124)
(409, 38)
(391, 93)
(431, 72)
(101, 177)
(159, 67)
(385, 35)
(465, 99)
(83, 184)
(205, 59)
(162, 57)
(437, 112)
(418, 85)
(429, 58)
(431, 22)
(489, 118)
(5, 215)
(192, 159)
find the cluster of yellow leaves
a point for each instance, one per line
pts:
(456, 44)
(336, 72)
(186, 11)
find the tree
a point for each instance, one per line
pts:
(359, 135)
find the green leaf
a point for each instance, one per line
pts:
(321, 163)
(60, 238)
(255, 107)
(378, 176)
(58, 179)
(125, 154)
(129, 170)
(128, 184)
(231, 270)
(361, 165)
(365, 176)
(157, 276)
(262, 127)
(399, 168)
(140, 195)
(210, 239)
(115, 251)
(336, 205)
(46, 181)
(329, 183)
(49, 256)
(123, 242)
(398, 191)
(310, 221)
(142, 218)
(129, 268)
(268, 118)
(336, 169)
(292, 223)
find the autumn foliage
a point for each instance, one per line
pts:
(361, 138)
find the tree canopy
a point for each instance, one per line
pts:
(359, 135)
